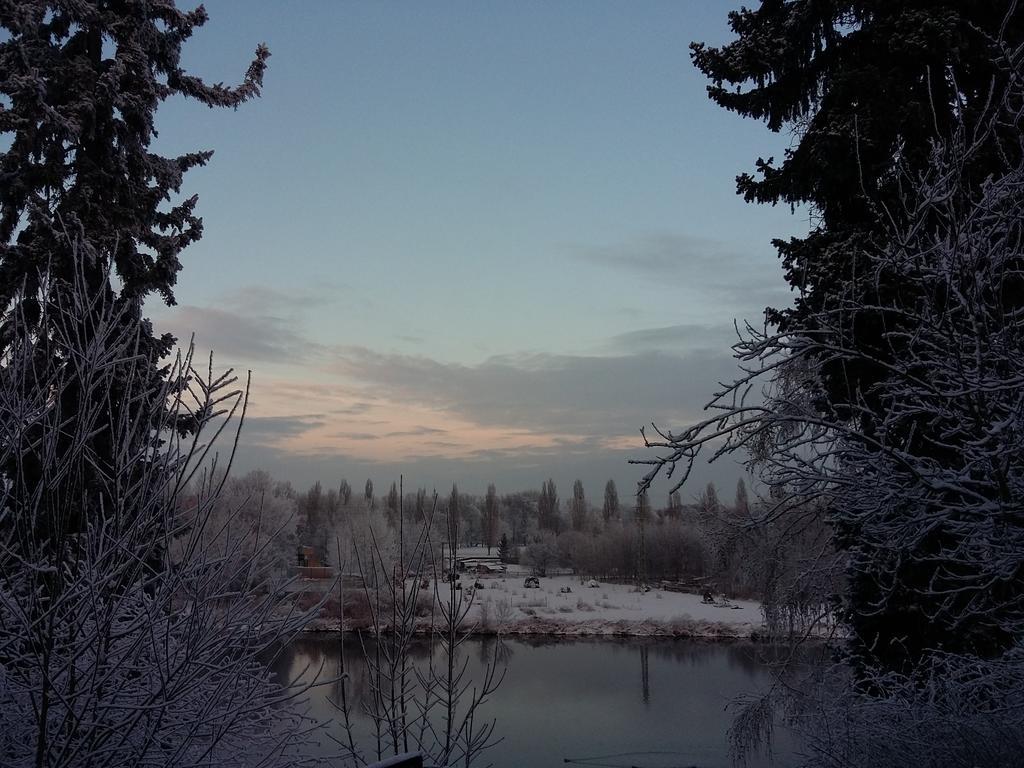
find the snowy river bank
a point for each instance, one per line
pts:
(504, 606)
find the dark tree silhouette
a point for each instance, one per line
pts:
(547, 507)
(868, 87)
(84, 201)
(610, 510)
(492, 519)
(578, 510)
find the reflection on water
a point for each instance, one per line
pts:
(580, 701)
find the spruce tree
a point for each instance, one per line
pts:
(85, 202)
(867, 86)
(504, 549)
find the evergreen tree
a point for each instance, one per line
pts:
(868, 87)
(368, 493)
(504, 549)
(345, 491)
(610, 510)
(83, 200)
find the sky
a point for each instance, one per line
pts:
(470, 242)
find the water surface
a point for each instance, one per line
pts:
(581, 702)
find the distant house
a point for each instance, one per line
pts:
(477, 560)
(310, 566)
(308, 557)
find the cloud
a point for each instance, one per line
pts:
(272, 428)
(237, 336)
(417, 431)
(716, 267)
(356, 409)
(253, 323)
(593, 396)
(244, 298)
(688, 336)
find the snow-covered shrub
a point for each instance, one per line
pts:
(125, 639)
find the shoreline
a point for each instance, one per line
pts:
(681, 629)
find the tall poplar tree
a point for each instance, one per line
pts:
(610, 510)
(578, 510)
(85, 202)
(547, 506)
(492, 520)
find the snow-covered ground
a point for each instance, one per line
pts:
(505, 604)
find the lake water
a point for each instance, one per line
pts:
(587, 702)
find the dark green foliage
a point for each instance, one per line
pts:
(868, 86)
(82, 197)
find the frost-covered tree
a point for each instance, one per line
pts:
(548, 516)
(519, 509)
(83, 199)
(253, 513)
(868, 88)
(923, 483)
(542, 552)
(865, 86)
(104, 658)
